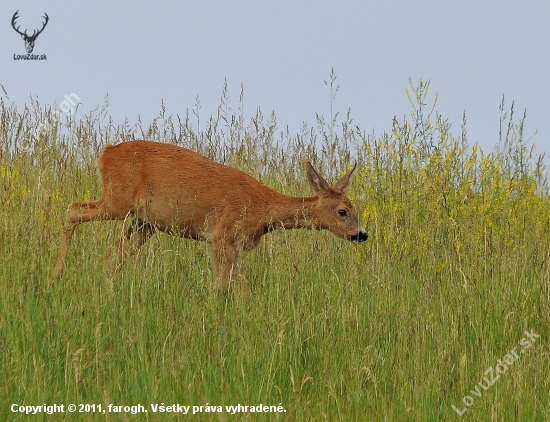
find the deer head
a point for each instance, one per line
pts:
(334, 210)
(29, 39)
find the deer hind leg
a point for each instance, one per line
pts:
(80, 212)
(226, 264)
(136, 235)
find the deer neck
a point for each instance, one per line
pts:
(290, 212)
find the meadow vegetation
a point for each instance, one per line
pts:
(402, 327)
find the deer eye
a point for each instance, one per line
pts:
(343, 213)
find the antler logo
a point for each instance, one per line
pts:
(29, 39)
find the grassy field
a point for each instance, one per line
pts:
(443, 314)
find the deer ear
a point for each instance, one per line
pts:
(316, 181)
(342, 183)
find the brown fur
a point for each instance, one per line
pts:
(177, 191)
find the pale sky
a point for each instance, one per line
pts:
(140, 53)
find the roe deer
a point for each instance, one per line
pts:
(177, 191)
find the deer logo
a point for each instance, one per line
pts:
(29, 39)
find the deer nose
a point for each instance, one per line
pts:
(360, 237)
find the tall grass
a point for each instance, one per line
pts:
(403, 327)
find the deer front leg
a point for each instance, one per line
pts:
(226, 264)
